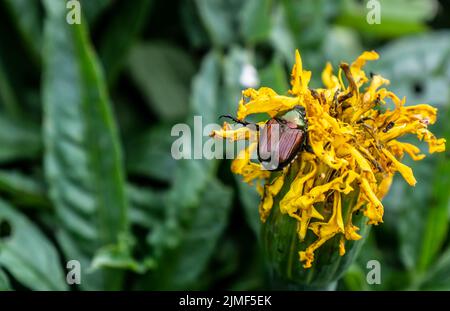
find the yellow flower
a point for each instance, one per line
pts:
(352, 134)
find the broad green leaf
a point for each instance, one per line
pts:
(118, 256)
(219, 17)
(27, 254)
(7, 97)
(397, 17)
(94, 8)
(375, 248)
(304, 25)
(183, 265)
(191, 177)
(4, 281)
(19, 140)
(307, 21)
(275, 76)
(341, 44)
(83, 159)
(23, 189)
(163, 73)
(120, 33)
(438, 278)
(250, 199)
(147, 205)
(149, 154)
(27, 17)
(196, 33)
(355, 278)
(438, 214)
(252, 269)
(255, 19)
(281, 38)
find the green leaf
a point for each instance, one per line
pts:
(149, 154)
(355, 278)
(437, 220)
(250, 199)
(183, 265)
(94, 8)
(147, 206)
(191, 177)
(195, 32)
(341, 44)
(4, 281)
(23, 189)
(163, 73)
(205, 95)
(7, 97)
(308, 21)
(83, 158)
(219, 18)
(27, 17)
(275, 76)
(27, 254)
(281, 38)
(398, 17)
(120, 33)
(119, 257)
(255, 19)
(438, 277)
(18, 140)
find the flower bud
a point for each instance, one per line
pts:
(283, 247)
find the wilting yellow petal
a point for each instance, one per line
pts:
(324, 230)
(317, 194)
(241, 133)
(374, 209)
(264, 100)
(350, 232)
(270, 190)
(299, 77)
(250, 171)
(328, 79)
(342, 247)
(406, 171)
(358, 74)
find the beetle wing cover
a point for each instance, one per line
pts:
(290, 139)
(290, 142)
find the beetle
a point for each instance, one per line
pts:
(290, 130)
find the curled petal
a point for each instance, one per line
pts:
(406, 171)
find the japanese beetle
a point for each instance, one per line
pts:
(281, 138)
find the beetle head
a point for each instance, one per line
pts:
(297, 115)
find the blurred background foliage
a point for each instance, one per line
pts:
(85, 119)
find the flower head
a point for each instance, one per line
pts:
(353, 131)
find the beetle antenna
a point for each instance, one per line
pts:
(245, 123)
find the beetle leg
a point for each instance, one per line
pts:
(244, 123)
(314, 94)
